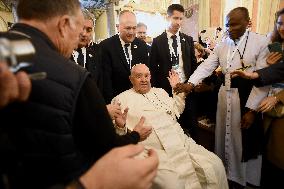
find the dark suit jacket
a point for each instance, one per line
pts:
(90, 58)
(93, 63)
(115, 67)
(271, 74)
(160, 61)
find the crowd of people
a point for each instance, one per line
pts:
(124, 113)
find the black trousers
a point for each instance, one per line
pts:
(188, 119)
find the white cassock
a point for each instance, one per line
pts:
(183, 163)
(228, 136)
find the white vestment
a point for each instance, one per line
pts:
(228, 136)
(183, 163)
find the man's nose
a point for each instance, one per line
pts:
(179, 21)
(143, 79)
(132, 31)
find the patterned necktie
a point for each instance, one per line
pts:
(175, 45)
(80, 59)
(127, 54)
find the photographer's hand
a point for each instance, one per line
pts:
(13, 87)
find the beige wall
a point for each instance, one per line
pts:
(281, 4)
(5, 17)
(215, 13)
(101, 27)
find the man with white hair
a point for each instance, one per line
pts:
(183, 163)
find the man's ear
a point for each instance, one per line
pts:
(63, 25)
(168, 18)
(130, 78)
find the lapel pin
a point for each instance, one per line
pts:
(183, 39)
(90, 55)
(135, 46)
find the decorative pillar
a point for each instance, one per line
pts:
(111, 17)
(266, 11)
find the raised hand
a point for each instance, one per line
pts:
(114, 109)
(273, 58)
(173, 78)
(121, 119)
(144, 131)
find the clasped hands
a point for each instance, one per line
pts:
(176, 85)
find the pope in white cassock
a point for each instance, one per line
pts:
(183, 163)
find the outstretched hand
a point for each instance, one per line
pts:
(140, 173)
(120, 120)
(273, 58)
(183, 87)
(173, 78)
(244, 74)
(114, 109)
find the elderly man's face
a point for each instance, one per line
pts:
(141, 33)
(86, 35)
(127, 27)
(140, 78)
(236, 24)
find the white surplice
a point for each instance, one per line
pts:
(183, 163)
(228, 139)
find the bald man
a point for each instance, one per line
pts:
(183, 163)
(119, 53)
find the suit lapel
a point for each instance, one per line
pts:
(120, 51)
(134, 52)
(183, 46)
(164, 46)
(185, 49)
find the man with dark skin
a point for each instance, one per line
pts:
(237, 99)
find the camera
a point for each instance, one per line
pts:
(16, 53)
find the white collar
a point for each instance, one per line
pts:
(169, 34)
(123, 42)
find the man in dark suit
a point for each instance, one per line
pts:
(142, 34)
(174, 50)
(87, 53)
(119, 53)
